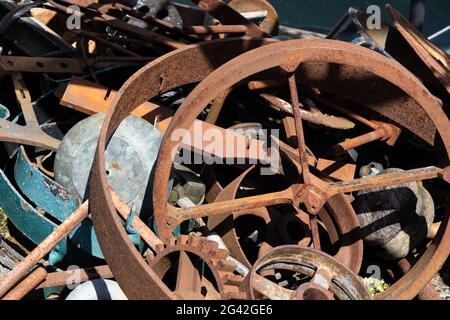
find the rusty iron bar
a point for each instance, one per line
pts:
(162, 24)
(313, 117)
(345, 111)
(428, 292)
(353, 143)
(98, 39)
(296, 110)
(305, 174)
(384, 132)
(144, 231)
(228, 16)
(27, 284)
(21, 269)
(31, 133)
(62, 278)
(216, 107)
(64, 65)
(119, 25)
(216, 29)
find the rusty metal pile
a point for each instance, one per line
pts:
(167, 151)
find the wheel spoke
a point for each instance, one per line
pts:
(188, 278)
(227, 207)
(314, 231)
(299, 129)
(270, 289)
(384, 180)
(358, 141)
(322, 277)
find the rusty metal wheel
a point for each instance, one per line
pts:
(338, 219)
(184, 66)
(296, 273)
(311, 191)
(138, 280)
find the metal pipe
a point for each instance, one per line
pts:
(27, 284)
(212, 29)
(43, 248)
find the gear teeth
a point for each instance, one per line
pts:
(224, 265)
(190, 240)
(160, 247)
(172, 242)
(232, 279)
(183, 240)
(222, 254)
(197, 242)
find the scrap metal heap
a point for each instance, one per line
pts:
(192, 152)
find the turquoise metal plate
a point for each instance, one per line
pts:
(33, 224)
(52, 198)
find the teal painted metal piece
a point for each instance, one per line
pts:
(58, 202)
(34, 225)
(133, 234)
(4, 112)
(43, 191)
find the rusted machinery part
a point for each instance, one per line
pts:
(215, 29)
(291, 54)
(328, 279)
(227, 15)
(40, 163)
(184, 66)
(27, 284)
(148, 18)
(62, 65)
(191, 108)
(436, 59)
(428, 292)
(62, 231)
(313, 117)
(338, 210)
(381, 97)
(270, 23)
(185, 253)
(74, 276)
(216, 107)
(31, 133)
(43, 248)
(112, 22)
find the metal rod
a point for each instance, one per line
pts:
(43, 248)
(27, 284)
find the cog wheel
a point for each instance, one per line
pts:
(300, 273)
(201, 269)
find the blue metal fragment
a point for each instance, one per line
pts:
(33, 224)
